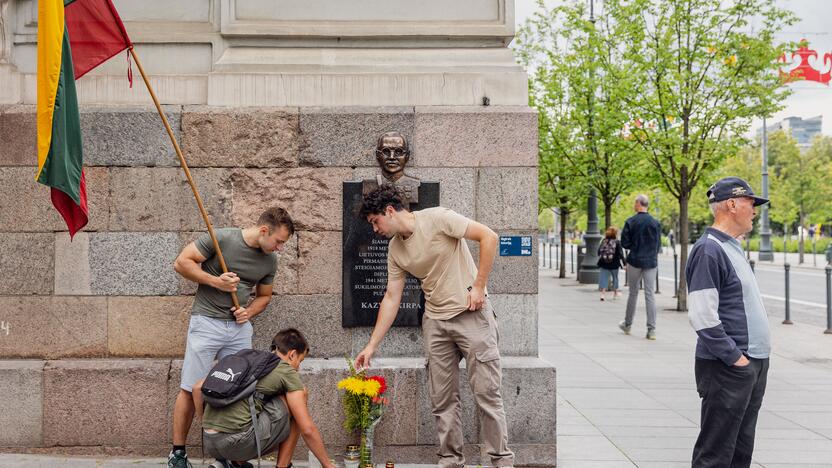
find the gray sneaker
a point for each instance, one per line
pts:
(178, 459)
(651, 334)
(624, 327)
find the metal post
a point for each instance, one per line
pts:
(550, 256)
(572, 257)
(542, 249)
(748, 246)
(814, 253)
(785, 246)
(788, 320)
(766, 252)
(657, 278)
(828, 330)
(675, 274)
(753, 264)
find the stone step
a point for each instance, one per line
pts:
(124, 407)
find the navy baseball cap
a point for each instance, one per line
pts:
(733, 187)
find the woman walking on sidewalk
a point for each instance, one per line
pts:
(610, 259)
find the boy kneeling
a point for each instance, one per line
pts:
(282, 414)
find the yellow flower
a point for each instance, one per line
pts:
(359, 386)
(732, 60)
(371, 388)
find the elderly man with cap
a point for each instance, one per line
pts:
(726, 310)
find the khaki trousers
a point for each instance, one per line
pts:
(473, 336)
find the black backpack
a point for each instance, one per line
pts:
(608, 250)
(234, 378)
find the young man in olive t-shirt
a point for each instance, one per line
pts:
(216, 328)
(459, 320)
(284, 416)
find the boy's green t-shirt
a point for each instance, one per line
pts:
(236, 417)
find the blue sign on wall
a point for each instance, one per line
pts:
(515, 246)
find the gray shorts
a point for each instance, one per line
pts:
(210, 339)
(273, 424)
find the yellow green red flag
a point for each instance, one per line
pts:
(98, 34)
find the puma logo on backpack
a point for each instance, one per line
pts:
(235, 377)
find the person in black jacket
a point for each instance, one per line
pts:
(610, 259)
(642, 237)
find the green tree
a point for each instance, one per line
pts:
(561, 48)
(558, 183)
(802, 183)
(704, 69)
(781, 149)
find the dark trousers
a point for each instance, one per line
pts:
(731, 400)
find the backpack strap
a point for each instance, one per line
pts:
(254, 426)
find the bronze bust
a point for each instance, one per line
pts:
(392, 155)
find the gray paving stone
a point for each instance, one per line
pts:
(27, 263)
(21, 395)
(129, 136)
(463, 136)
(133, 263)
(348, 136)
(507, 198)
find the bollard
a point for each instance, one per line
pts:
(543, 254)
(753, 264)
(785, 250)
(657, 278)
(814, 253)
(788, 320)
(828, 330)
(572, 257)
(550, 256)
(675, 275)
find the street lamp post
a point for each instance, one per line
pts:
(766, 254)
(588, 269)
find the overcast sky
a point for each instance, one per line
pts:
(809, 99)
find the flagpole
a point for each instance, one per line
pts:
(185, 168)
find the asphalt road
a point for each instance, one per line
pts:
(807, 288)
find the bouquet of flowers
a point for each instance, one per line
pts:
(364, 403)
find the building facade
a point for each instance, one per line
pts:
(274, 102)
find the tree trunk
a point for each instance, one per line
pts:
(607, 215)
(801, 228)
(684, 239)
(562, 270)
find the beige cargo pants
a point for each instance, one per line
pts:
(473, 336)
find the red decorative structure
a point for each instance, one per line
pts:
(804, 71)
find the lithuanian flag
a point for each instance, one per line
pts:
(86, 32)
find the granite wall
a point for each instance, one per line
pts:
(96, 327)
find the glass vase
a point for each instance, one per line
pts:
(366, 451)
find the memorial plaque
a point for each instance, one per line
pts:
(365, 264)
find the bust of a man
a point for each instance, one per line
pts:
(392, 155)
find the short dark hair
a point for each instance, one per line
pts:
(275, 217)
(379, 199)
(288, 340)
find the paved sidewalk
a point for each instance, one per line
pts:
(625, 401)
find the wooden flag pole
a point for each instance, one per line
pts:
(187, 171)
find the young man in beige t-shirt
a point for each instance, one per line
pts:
(459, 320)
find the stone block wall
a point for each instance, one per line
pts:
(91, 318)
